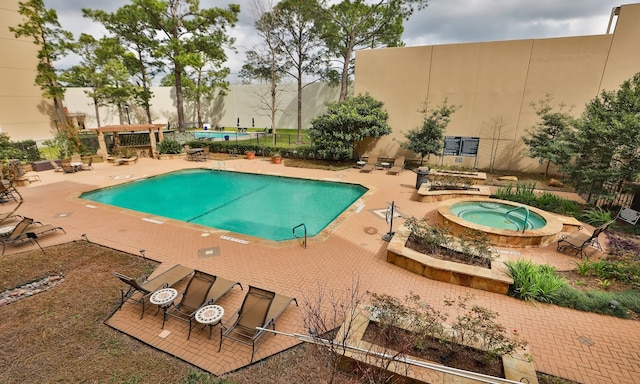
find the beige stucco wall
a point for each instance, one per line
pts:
(24, 114)
(242, 101)
(494, 83)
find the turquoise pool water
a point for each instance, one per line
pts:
(493, 215)
(219, 135)
(258, 205)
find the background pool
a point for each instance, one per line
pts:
(258, 205)
(219, 135)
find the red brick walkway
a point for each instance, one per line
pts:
(584, 347)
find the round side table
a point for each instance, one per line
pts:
(163, 298)
(209, 315)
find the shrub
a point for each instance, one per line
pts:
(596, 216)
(169, 147)
(533, 282)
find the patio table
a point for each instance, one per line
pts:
(163, 298)
(209, 315)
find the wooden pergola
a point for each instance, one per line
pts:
(129, 128)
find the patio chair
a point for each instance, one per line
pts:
(372, 162)
(67, 167)
(87, 166)
(193, 297)
(398, 166)
(56, 167)
(166, 279)
(579, 241)
(219, 288)
(6, 193)
(260, 308)
(18, 233)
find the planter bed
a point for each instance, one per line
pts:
(493, 280)
(427, 194)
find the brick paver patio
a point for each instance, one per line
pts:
(584, 347)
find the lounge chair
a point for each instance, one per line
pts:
(579, 241)
(219, 288)
(260, 308)
(372, 162)
(87, 166)
(25, 230)
(6, 193)
(398, 166)
(56, 167)
(193, 297)
(67, 167)
(166, 279)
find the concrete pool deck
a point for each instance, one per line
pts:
(584, 347)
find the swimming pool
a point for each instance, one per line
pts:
(263, 206)
(220, 135)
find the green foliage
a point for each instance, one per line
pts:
(67, 140)
(596, 216)
(548, 137)
(351, 25)
(533, 282)
(169, 146)
(7, 149)
(472, 245)
(473, 325)
(428, 139)
(335, 133)
(607, 303)
(606, 142)
(524, 193)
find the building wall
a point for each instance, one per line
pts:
(24, 114)
(243, 102)
(495, 83)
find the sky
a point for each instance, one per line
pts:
(442, 22)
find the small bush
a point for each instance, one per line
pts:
(169, 147)
(596, 216)
(533, 282)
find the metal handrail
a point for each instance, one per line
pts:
(304, 241)
(526, 217)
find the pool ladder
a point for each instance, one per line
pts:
(304, 239)
(526, 217)
(221, 164)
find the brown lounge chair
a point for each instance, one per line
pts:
(166, 279)
(579, 241)
(398, 166)
(26, 230)
(260, 309)
(372, 161)
(193, 297)
(219, 288)
(56, 167)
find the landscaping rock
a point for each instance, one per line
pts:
(555, 183)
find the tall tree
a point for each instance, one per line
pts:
(180, 27)
(336, 133)
(124, 24)
(427, 139)
(357, 24)
(43, 27)
(606, 142)
(267, 61)
(546, 140)
(300, 40)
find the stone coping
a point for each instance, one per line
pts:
(474, 177)
(516, 367)
(426, 195)
(540, 237)
(494, 280)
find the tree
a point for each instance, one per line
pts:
(301, 44)
(335, 133)
(183, 31)
(42, 26)
(125, 25)
(606, 142)
(354, 24)
(427, 139)
(547, 136)
(267, 62)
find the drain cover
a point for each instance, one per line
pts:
(209, 252)
(586, 341)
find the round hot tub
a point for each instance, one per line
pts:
(506, 223)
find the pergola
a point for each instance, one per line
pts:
(129, 128)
